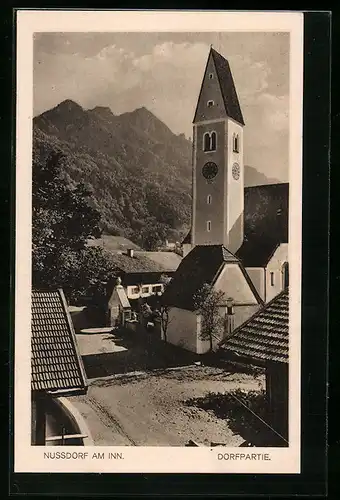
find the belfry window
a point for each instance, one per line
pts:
(213, 141)
(236, 143)
(209, 141)
(285, 275)
(206, 142)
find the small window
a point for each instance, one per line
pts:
(209, 225)
(236, 143)
(272, 279)
(210, 104)
(135, 290)
(211, 76)
(209, 199)
(156, 288)
(145, 289)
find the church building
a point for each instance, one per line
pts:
(238, 241)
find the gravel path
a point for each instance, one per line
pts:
(148, 408)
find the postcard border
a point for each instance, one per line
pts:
(318, 206)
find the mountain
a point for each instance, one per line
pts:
(253, 177)
(138, 170)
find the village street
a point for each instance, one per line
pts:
(139, 392)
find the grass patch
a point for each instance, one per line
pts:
(244, 412)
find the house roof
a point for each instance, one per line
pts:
(124, 301)
(202, 265)
(136, 264)
(265, 223)
(187, 239)
(112, 243)
(55, 360)
(168, 261)
(265, 336)
(227, 86)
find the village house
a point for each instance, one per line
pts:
(264, 340)
(238, 241)
(57, 372)
(141, 278)
(213, 265)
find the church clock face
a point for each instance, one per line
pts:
(236, 171)
(210, 170)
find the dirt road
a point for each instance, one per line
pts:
(149, 408)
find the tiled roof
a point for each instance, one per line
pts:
(265, 336)
(168, 261)
(55, 360)
(136, 264)
(265, 223)
(231, 102)
(201, 265)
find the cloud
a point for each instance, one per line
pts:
(166, 80)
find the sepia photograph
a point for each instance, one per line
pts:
(161, 207)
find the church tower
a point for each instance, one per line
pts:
(218, 170)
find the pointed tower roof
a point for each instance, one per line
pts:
(227, 86)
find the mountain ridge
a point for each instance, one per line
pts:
(138, 170)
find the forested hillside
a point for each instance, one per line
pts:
(138, 170)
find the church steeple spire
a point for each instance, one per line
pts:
(218, 169)
(219, 66)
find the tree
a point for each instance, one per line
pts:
(152, 235)
(63, 220)
(207, 303)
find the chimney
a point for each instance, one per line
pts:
(130, 252)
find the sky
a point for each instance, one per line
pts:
(163, 72)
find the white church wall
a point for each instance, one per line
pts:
(182, 328)
(233, 283)
(257, 276)
(243, 312)
(234, 187)
(274, 272)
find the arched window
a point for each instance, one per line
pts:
(285, 275)
(213, 141)
(209, 199)
(209, 141)
(236, 143)
(206, 142)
